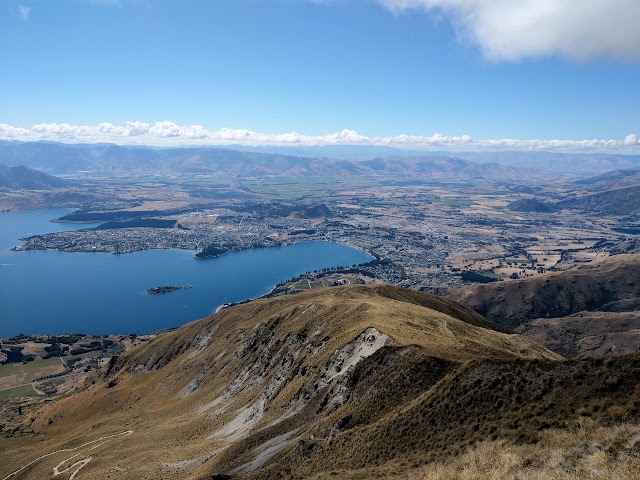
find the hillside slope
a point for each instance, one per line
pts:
(612, 179)
(332, 380)
(607, 284)
(530, 205)
(615, 201)
(587, 333)
(611, 284)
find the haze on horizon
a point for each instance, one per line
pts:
(418, 74)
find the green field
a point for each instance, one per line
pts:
(287, 188)
(28, 368)
(517, 260)
(301, 285)
(24, 391)
(457, 203)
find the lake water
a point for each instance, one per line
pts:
(97, 293)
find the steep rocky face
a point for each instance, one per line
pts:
(334, 379)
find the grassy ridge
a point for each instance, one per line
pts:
(347, 379)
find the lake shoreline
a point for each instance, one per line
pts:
(106, 294)
(197, 256)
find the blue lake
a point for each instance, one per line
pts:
(98, 293)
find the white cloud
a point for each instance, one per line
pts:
(515, 29)
(25, 11)
(631, 139)
(170, 134)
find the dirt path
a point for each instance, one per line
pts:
(79, 464)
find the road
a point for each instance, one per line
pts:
(79, 464)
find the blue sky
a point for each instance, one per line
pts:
(381, 68)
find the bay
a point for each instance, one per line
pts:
(98, 293)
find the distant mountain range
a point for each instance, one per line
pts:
(612, 193)
(568, 163)
(574, 164)
(106, 159)
(29, 179)
(110, 159)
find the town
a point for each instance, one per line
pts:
(429, 235)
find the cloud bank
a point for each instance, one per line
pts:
(170, 134)
(507, 30)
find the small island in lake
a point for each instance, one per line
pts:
(163, 290)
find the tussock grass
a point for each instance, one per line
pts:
(588, 451)
(516, 401)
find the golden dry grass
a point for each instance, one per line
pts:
(588, 451)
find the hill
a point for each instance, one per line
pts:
(616, 201)
(530, 205)
(612, 179)
(346, 382)
(587, 333)
(549, 307)
(29, 179)
(319, 210)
